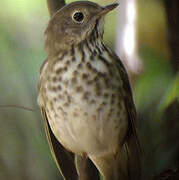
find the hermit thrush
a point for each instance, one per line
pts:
(85, 98)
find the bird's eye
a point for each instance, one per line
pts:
(78, 17)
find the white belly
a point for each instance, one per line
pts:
(88, 128)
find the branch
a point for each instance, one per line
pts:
(172, 14)
(54, 6)
(170, 174)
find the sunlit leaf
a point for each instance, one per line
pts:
(171, 95)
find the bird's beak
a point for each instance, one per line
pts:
(107, 9)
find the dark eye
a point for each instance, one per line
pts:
(78, 17)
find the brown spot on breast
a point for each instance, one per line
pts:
(61, 97)
(65, 92)
(73, 59)
(85, 76)
(75, 114)
(99, 109)
(54, 89)
(119, 104)
(51, 105)
(92, 57)
(112, 99)
(107, 82)
(88, 65)
(98, 89)
(68, 98)
(96, 79)
(59, 71)
(80, 65)
(92, 101)
(100, 74)
(75, 72)
(65, 69)
(94, 70)
(110, 113)
(79, 89)
(86, 95)
(104, 104)
(74, 80)
(67, 63)
(66, 82)
(54, 79)
(66, 104)
(98, 93)
(89, 82)
(62, 110)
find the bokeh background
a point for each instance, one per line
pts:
(24, 152)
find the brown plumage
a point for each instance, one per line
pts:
(86, 99)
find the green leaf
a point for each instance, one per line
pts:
(171, 95)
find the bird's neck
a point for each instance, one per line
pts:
(92, 44)
(92, 41)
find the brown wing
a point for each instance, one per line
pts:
(132, 144)
(129, 104)
(63, 158)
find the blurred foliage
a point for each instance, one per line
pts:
(170, 96)
(24, 152)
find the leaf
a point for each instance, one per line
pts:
(172, 94)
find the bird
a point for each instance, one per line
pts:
(86, 99)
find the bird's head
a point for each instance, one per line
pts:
(74, 23)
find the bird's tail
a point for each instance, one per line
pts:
(133, 153)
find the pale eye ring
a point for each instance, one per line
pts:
(78, 17)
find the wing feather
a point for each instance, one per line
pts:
(63, 158)
(131, 141)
